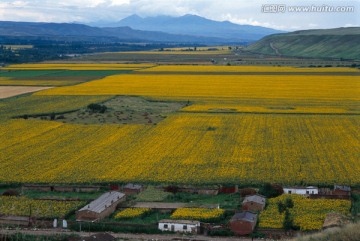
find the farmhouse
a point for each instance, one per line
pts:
(101, 207)
(255, 203)
(243, 223)
(131, 188)
(181, 226)
(301, 190)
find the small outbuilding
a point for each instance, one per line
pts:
(101, 207)
(342, 190)
(243, 223)
(301, 190)
(181, 226)
(255, 203)
(131, 188)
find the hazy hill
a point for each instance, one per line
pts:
(81, 32)
(329, 43)
(197, 26)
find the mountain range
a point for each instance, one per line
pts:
(185, 29)
(196, 26)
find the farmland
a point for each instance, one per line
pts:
(238, 128)
(23, 206)
(308, 214)
(185, 148)
(60, 74)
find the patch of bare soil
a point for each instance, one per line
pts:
(9, 91)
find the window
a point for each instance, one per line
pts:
(185, 227)
(289, 192)
(307, 192)
(165, 226)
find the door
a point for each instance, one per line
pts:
(172, 228)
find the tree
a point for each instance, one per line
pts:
(288, 223)
(97, 108)
(271, 190)
(289, 203)
(281, 207)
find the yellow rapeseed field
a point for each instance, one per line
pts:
(132, 213)
(199, 87)
(270, 143)
(203, 214)
(308, 214)
(227, 69)
(185, 148)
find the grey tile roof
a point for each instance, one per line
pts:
(103, 202)
(343, 188)
(133, 186)
(245, 216)
(255, 198)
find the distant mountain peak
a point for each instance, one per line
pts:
(191, 24)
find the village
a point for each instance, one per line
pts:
(190, 210)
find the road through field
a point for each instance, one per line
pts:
(127, 236)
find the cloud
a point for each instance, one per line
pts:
(237, 11)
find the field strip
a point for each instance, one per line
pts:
(246, 73)
(265, 113)
(9, 91)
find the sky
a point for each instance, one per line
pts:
(279, 14)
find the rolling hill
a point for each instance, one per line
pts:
(325, 43)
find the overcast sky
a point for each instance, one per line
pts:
(267, 13)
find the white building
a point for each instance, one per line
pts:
(301, 190)
(181, 226)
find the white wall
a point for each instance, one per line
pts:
(179, 227)
(302, 191)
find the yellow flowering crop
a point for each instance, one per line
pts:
(197, 213)
(23, 206)
(227, 69)
(220, 87)
(185, 148)
(132, 212)
(308, 214)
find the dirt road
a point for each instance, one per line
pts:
(132, 237)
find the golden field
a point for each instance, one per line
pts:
(213, 87)
(308, 214)
(239, 129)
(203, 214)
(132, 213)
(186, 148)
(227, 69)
